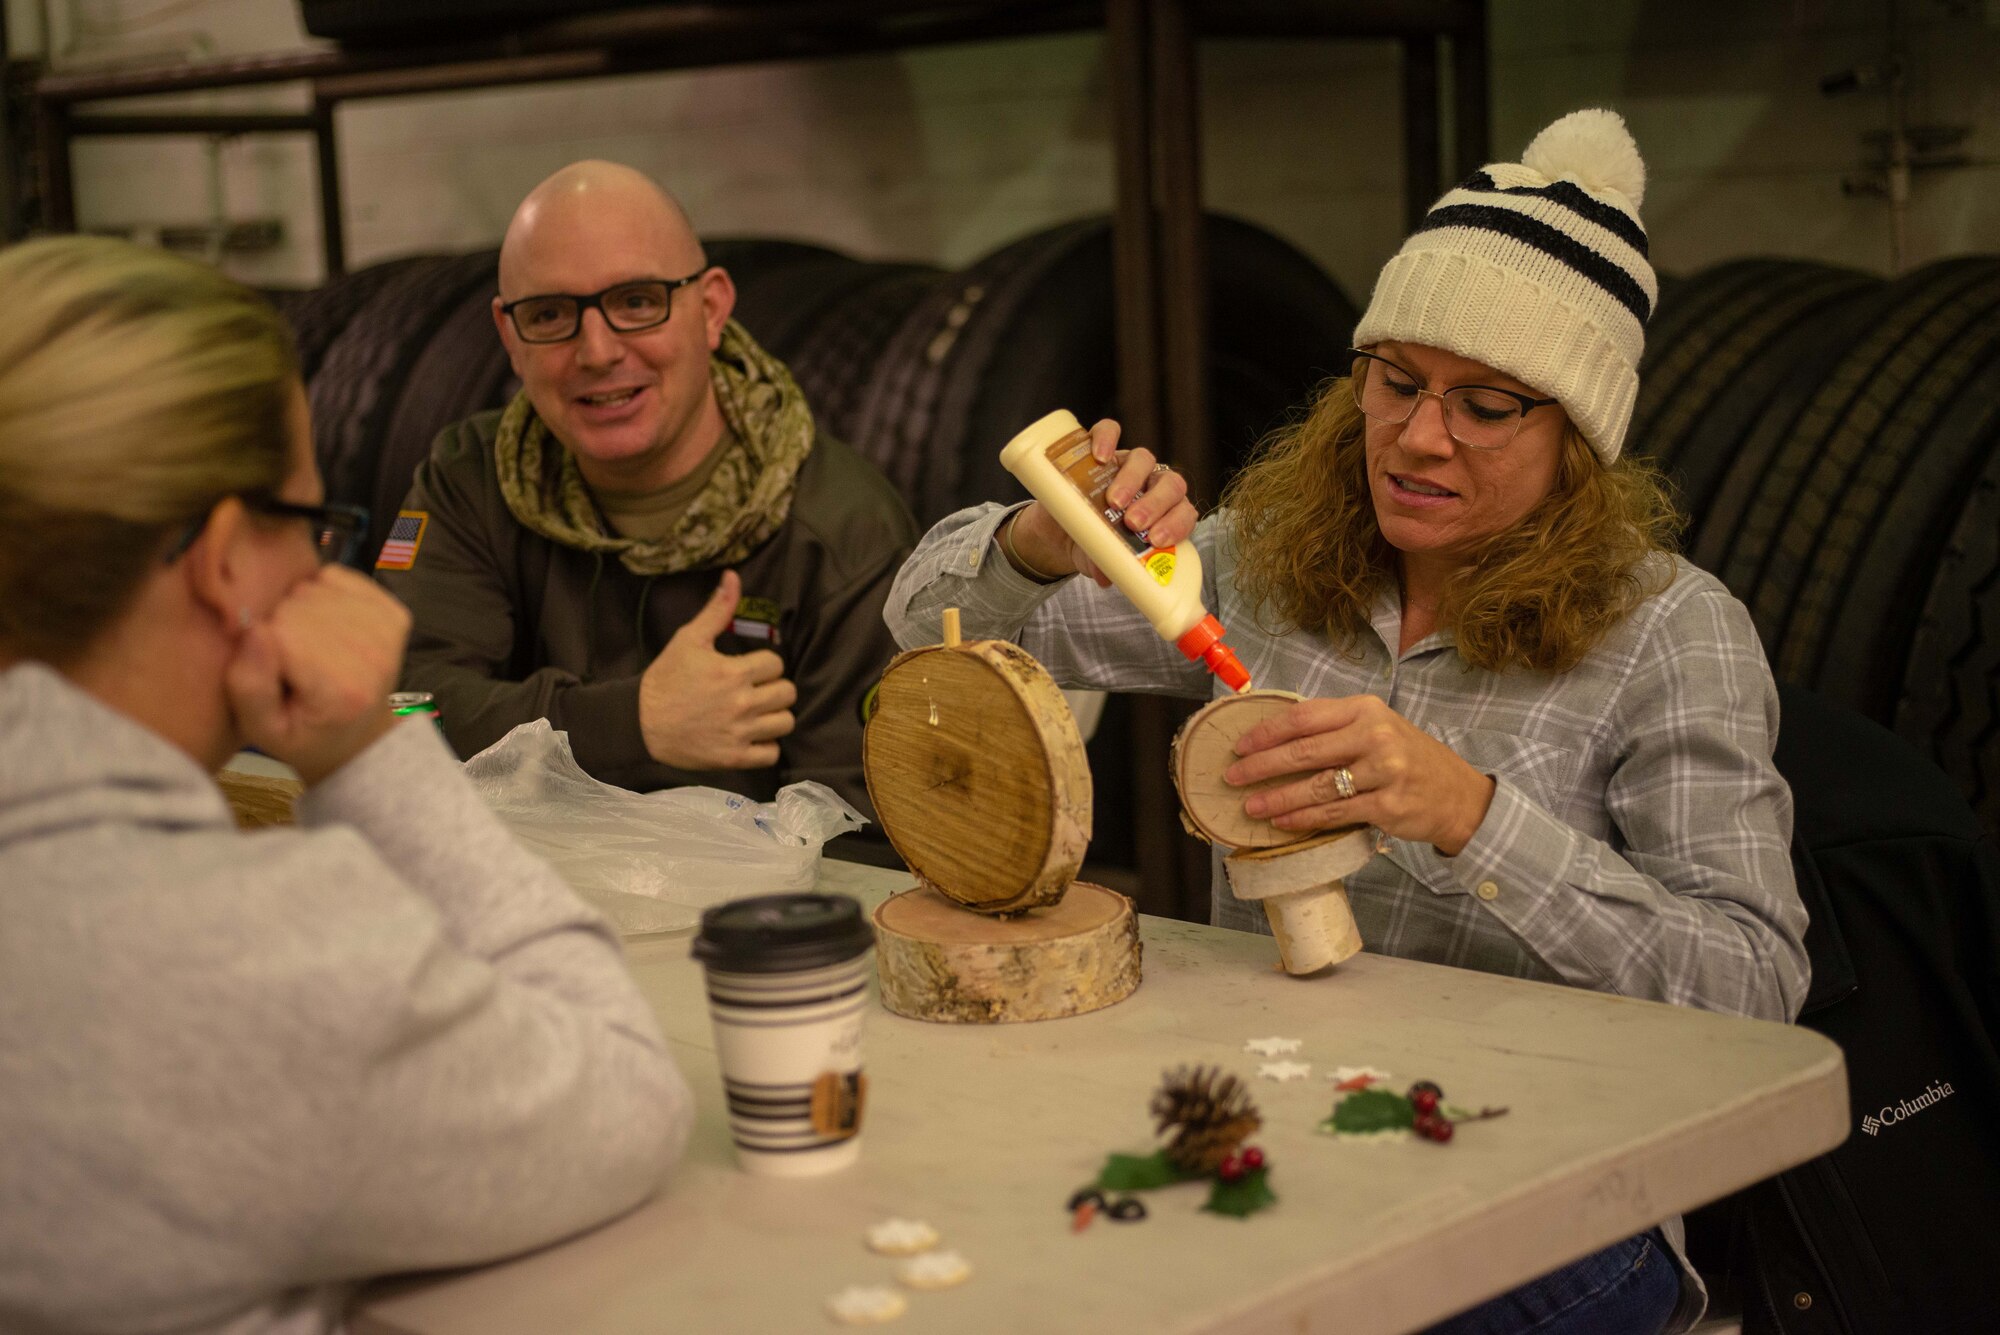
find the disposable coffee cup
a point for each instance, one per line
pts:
(787, 987)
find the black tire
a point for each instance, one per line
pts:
(753, 255)
(1688, 417)
(358, 383)
(1835, 360)
(962, 317)
(772, 279)
(459, 370)
(837, 356)
(319, 316)
(1726, 399)
(1950, 700)
(784, 309)
(1874, 544)
(1279, 329)
(288, 301)
(1030, 328)
(1684, 309)
(1829, 484)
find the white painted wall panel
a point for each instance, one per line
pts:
(944, 153)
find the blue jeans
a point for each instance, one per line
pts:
(1629, 1288)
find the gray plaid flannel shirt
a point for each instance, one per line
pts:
(1638, 838)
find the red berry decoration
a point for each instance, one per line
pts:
(1231, 1168)
(1432, 1127)
(1253, 1159)
(1424, 1100)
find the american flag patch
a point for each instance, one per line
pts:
(399, 552)
(755, 630)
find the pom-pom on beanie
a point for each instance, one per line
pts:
(1536, 268)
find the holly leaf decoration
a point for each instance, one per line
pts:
(1367, 1111)
(1243, 1197)
(1139, 1172)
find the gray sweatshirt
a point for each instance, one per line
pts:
(240, 1071)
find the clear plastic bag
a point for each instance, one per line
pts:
(652, 861)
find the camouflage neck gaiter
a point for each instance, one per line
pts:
(745, 501)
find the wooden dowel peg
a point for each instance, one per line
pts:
(951, 632)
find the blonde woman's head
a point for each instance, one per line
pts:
(136, 390)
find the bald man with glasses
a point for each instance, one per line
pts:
(653, 546)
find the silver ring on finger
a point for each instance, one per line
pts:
(1343, 782)
(1158, 469)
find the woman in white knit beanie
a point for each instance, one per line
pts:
(1563, 731)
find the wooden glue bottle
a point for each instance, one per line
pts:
(1053, 459)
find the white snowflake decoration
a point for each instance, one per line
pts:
(1282, 1071)
(934, 1270)
(901, 1237)
(864, 1305)
(1271, 1047)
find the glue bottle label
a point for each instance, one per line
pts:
(1160, 565)
(1073, 458)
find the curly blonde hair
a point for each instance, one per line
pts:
(1311, 556)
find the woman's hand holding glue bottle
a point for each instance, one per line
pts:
(1120, 518)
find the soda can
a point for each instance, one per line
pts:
(404, 703)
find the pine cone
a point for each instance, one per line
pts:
(1211, 1115)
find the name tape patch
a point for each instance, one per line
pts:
(757, 619)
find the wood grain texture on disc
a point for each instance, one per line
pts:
(1204, 748)
(978, 773)
(938, 962)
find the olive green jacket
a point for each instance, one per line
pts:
(511, 626)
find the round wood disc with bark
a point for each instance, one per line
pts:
(1204, 748)
(258, 800)
(978, 773)
(938, 962)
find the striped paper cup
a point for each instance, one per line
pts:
(787, 983)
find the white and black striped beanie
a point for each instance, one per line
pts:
(1536, 268)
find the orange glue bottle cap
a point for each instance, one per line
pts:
(1204, 642)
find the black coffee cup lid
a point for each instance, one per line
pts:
(782, 933)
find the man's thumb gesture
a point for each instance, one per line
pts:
(702, 709)
(718, 614)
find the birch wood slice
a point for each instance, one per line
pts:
(978, 773)
(1204, 748)
(938, 962)
(257, 800)
(1322, 858)
(1300, 886)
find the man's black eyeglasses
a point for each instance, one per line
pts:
(555, 317)
(337, 529)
